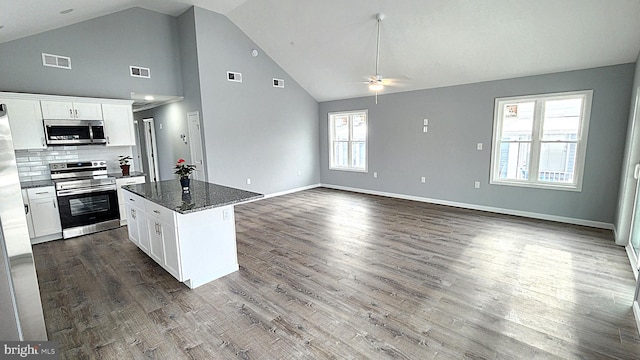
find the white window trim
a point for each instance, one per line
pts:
(581, 144)
(330, 137)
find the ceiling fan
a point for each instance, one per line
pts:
(377, 83)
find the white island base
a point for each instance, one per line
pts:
(195, 247)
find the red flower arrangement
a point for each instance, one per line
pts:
(183, 169)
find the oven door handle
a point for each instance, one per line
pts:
(86, 191)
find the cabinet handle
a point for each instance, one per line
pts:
(156, 211)
(42, 140)
(54, 204)
(133, 213)
(159, 229)
(26, 208)
(71, 113)
(108, 141)
(76, 113)
(130, 199)
(41, 193)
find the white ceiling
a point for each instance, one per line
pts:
(328, 46)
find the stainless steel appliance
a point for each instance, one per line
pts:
(20, 306)
(87, 197)
(74, 132)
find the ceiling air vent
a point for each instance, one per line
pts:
(278, 83)
(234, 76)
(138, 71)
(56, 61)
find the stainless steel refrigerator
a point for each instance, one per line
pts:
(20, 307)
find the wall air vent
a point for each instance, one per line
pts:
(234, 76)
(138, 71)
(56, 61)
(278, 83)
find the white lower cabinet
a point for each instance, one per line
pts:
(195, 248)
(45, 218)
(119, 184)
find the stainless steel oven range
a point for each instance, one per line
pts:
(87, 197)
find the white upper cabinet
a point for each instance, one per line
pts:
(60, 110)
(118, 125)
(25, 120)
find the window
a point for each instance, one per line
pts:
(541, 141)
(348, 141)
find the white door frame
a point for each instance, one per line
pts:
(152, 148)
(195, 145)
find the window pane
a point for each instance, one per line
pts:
(358, 151)
(514, 158)
(517, 121)
(359, 127)
(341, 128)
(341, 154)
(561, 119)
(557, 162)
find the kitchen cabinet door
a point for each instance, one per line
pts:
(121, 196)
(62, 110)
(44, 211)
(57, 110)
(156, 244)
(133, 226)
(118, 125)
(87, 111)
(171, 250)
(25, 120)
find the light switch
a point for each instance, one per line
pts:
(425, 129)
(477, 184)
(375, 174)
(426, 122)
(479, 146)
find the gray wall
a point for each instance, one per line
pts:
(459, 118)
(631, 158)
(101, 51)
(252, 130)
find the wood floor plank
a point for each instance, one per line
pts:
(327, 274)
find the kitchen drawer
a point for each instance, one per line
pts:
(46, 192)
(133, 199)
(130, 181)
(159, 212)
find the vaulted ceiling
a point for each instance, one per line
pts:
(329, 46)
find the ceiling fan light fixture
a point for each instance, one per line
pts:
(376, 86)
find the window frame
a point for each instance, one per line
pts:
(331, 137)
(537, 140)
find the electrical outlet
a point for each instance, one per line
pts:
(248, 181)
(423, 180)
(425, 129)
(426, 122)
(375, 174)
(477, 184)
(479, 146)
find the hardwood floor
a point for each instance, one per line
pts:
(332, 274)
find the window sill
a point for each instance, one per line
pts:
(348, 169)
(541, 186)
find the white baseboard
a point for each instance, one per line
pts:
(534, 215)
(280, 193)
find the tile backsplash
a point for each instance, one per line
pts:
(34, 164)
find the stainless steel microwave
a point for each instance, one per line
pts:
(74, 132)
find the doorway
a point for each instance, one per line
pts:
(151, 147)
(195, 145)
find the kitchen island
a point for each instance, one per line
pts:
(191, 235)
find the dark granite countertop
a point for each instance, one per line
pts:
(131, 174)
(36, 184)
(202, 196)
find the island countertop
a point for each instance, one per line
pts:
(202, 195)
